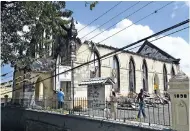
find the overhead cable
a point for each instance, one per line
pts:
(118, 50)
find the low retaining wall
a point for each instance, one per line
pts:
(16, 119)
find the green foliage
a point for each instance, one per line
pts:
(27, 27)
(92, 4)
(23, 27)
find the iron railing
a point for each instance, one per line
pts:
(156, 113)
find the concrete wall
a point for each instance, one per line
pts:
(39, 80)
(24, 120)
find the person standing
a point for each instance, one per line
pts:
(60, 97)
(113, 100)
(140, 99)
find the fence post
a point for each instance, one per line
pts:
(179, 94)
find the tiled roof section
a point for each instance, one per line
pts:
(97, 80)
(148, 49)
(176, 61)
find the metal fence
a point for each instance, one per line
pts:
(156, 113)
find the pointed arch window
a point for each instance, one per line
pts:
(132, 81)
(165, 78)
(172, 72)
(116, 73)
(95, 67)
(145, 76)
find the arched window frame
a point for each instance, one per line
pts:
(145, 76)
(117, 84)
(96, 55)
(39, 89)
(165, 78)
(172, 71)
(132, 76)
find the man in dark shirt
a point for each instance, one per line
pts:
(140, 99)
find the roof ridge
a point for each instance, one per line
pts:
(137, 53)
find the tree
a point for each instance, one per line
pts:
(27, 27)
(92, 4)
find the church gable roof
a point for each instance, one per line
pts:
(139, 52)
(150, 50)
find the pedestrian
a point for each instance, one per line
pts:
(113, 100)
(140, 99)
(155, 88)
(60, 97)
(107, 111)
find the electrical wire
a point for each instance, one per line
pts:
(129, 25)
(40, 57)
(118, 50)
(154, 12)
(100, 16)
(110, 19)
(121, 20)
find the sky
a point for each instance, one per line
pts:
(176, 45)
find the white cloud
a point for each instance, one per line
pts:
(187, 3)
(173, 15)
(178, 5)
(175, 46)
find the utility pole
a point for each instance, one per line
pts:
(72, 38)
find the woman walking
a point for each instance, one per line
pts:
(113, 100)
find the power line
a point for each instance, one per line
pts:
(156, 39)
(121, 20)
(40, 57)
(128, 49)
(162, 37)
(129, 25)
(124, 28)
(113, 52)
(117, 22)
(101, 16)
(170, 34)
(136, 21)
(110, 19)
(139, 45)
(6, 73)
(20, 77)
(6, 77)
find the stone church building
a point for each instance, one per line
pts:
(147, 68)
(130, 71)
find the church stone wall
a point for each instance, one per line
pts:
(154, 67)
(84, 54)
